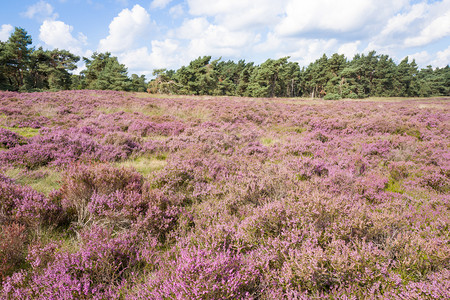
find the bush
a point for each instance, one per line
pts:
(12, 247)
(98, 270)
(332, 96)
(82, 182)
(203, 274)
(24, 205)
(10, 139)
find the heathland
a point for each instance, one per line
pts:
(115, 195)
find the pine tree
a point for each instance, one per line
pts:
(16, 57)
(104, 72)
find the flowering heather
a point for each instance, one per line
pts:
(9, 139)
(223, 198)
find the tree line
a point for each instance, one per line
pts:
(336, 77)
(28, 69)
(24, 68)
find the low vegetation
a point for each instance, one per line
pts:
(222, 197)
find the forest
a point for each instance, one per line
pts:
(24, 68)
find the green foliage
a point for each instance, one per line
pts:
(163, 83)
(104, 72)
(367, 75)
(26, 132)
(274, 78)
(332, 96)
(26, 69)
(138, 83)
(197, 78)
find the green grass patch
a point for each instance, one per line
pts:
(267, 141)
(145, 165)
(156, 137)
(43, 180)
(196, 114)
(394, 186)
(148, 109)
(297, 129)
(26, 132)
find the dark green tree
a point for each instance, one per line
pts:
(104, 72)
(138, 83)
(405, 81)
(198, 77)
(274, 78)
(15, 58)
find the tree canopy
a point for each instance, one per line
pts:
(24, 68)
(335, 77)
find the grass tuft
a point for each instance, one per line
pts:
(26, 132)
(43, 180)
(145, 165)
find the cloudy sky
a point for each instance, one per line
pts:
(151, 34)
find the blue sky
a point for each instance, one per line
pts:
(151, 34)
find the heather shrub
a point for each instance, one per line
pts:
(192, 178)
(62, 147)
(117, 209)
(13, 238)
(10, 139)
(162, 213)
(269, 221)
(98, 270)
(82, 182)
(125, 142)
(146, 128)
(436, 179)
(30, 156)
(24, 205)
(240, 199)
(203, 274)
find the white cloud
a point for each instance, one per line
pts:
(125, 29)
(308, 50)
(209, 39)
(164, 54)
(442, 58)
(439, 59)
(437, 29)
(349, 49)
(57, 34)
(401, 23)
(301, 50)
(417, 25)
(239, 14)
(422, 58)
(160, 3)
(40, 11)
(330, 16)
(176, 11)
(5, 32)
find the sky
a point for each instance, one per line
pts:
(152, 34)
